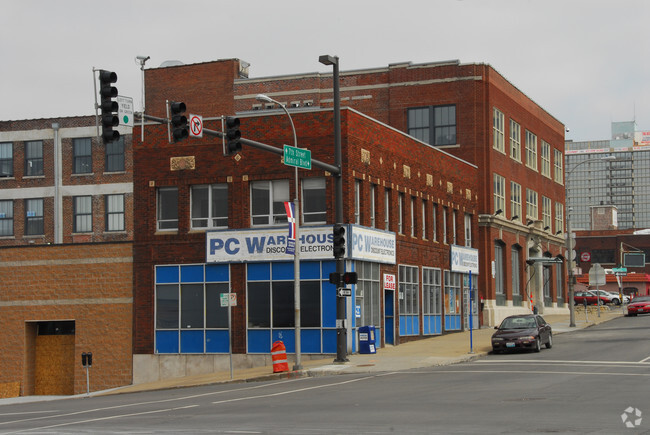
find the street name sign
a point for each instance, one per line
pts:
(297, 157)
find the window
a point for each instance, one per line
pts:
(373, 205)
(499, 274)
(413, 229)
(387, 209)
(546, 159)
(532, 210)
(468, 230)
(115, 212)
(515, 254)
(546, 212)
(314, 201)
(267, 202)
(408, 299)
(434, 224)
(559, 217)
(435, 125)
(400, 217)
(425, 218)
(444, 224)
(498, 130)
(115, 155)
(357, 202)
(452, 294)
(558, 162)
(82, 156)
(431, 291)
(531, 150)
(34, 217)
(453, 226)
(209, 206)
(167, 214)
(33, 158)
(515, 141)
(515, 201)
(6, 159)
(6, 218)
(82, 210)
(368, 293)
(499, 193)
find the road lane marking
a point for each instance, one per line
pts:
(299, 390)
(645, 360)
(111, 417)
(531, 372)
(642, 363)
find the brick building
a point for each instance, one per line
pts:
(66, 213)
(474, 113)
(208, 223)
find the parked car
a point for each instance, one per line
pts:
(591, 297)
(524, 331)
(639, 305)
(616, 299)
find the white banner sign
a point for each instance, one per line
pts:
(464, 259)
(266, 244)
(372, 245)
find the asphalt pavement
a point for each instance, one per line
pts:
(447, 349)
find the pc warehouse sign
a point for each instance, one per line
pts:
(464, 259)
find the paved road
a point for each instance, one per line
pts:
(583, 384)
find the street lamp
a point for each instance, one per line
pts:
(341, 332)
(609, 158)
(296, 255)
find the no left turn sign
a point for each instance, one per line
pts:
(196, 126)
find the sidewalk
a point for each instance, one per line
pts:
(451, 348)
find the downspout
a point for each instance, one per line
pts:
(58, 206)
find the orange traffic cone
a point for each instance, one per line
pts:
(279, 356)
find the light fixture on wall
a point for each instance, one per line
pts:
(515, 217)
(498, 212)
(558, 232)
(546, 228)
(530, 222)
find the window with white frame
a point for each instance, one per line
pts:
(454, 233)
(413, 229)
(267, 202)
(82, 211)
(425, 218)
(532, 209)
(515, 201)
(408, 290)
(209, 206)
(368, 294)
(515, 254)
(452, 292)
(400, 217)
(115, 212)
(431, 291)
(373, 206)
(82, 156)
(314, 200)
(515, 141)
(6, 218)
(499, 193)
(558, 163)
(546, 212)
(34, 225)
(387, 209)
(546, 159)
(434, 223)
(498, 130)
(34, 158)
(531, 150)
(499, 271)
(6, 159)
(559, 217)
(444, 224)
(167, 208)
(468, 230)
(357, 202)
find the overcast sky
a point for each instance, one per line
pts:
(587, 62)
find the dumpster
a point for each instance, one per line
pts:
(367, 339)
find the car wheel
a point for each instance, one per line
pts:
(549, 343)
(538, 345)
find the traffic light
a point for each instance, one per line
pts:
(349, 278)
(180, 129)
(108, 106)
(339, 241)
(233, 136)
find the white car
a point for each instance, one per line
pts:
(617, 300)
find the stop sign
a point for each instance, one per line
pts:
(585, 256)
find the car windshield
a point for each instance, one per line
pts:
(642, 299)
(518, 323)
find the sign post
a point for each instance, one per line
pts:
(229, 300)
(597, 278)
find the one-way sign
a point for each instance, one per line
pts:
(342, 292)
